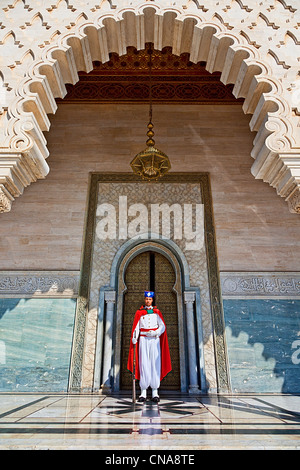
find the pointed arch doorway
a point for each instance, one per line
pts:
(151, 270)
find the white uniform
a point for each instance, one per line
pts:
(149, 350)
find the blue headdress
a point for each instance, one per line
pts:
(149, 293)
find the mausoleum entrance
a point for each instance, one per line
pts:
(151, 271)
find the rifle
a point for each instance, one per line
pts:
(133, 373)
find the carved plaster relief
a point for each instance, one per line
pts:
(105, 251)
(254, 45)
(102, 260)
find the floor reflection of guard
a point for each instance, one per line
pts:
(152, 353)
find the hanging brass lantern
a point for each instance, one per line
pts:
(151, 164)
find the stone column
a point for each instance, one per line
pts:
(110, 299)
(189, 300)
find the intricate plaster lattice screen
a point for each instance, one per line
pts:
(254, 44)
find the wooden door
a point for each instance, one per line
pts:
(151, 271)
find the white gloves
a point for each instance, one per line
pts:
(151, 334)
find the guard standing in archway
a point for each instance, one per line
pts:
(152, 355)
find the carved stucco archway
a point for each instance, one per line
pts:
(253, 46)
(188, 339)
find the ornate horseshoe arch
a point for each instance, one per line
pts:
(177, 288)
(69, 37)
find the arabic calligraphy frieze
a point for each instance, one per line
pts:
(260, 284)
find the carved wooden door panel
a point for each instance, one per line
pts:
(137, 278)
(151, 271)
(166, 301)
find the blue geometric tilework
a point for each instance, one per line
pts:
(263, 344)
(35, 344)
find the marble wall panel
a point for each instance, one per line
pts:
(35, 344)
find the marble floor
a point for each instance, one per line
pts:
(177, 422)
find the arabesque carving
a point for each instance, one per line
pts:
(255, 46)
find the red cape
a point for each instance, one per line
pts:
(166, 366)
